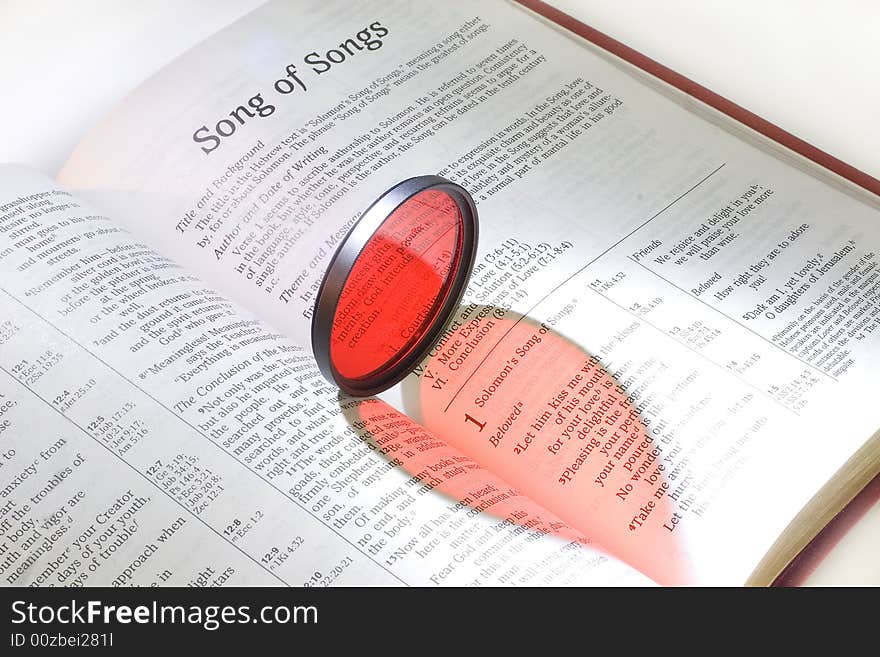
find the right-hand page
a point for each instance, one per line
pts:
(669, 335)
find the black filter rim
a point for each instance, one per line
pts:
(346, 256)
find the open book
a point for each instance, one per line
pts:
(661, 370)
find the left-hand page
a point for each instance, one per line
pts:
(120, 373)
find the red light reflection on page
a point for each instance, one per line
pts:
(548, 418)
(396, 285)
(438, 467)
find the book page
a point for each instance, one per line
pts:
(153, 433)
(669, 335)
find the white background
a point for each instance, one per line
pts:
(810, 66)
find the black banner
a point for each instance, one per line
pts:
(379, 619)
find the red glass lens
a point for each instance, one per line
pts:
(397, 285)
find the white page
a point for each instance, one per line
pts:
(569, 157)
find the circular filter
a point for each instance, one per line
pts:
(392, 284)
